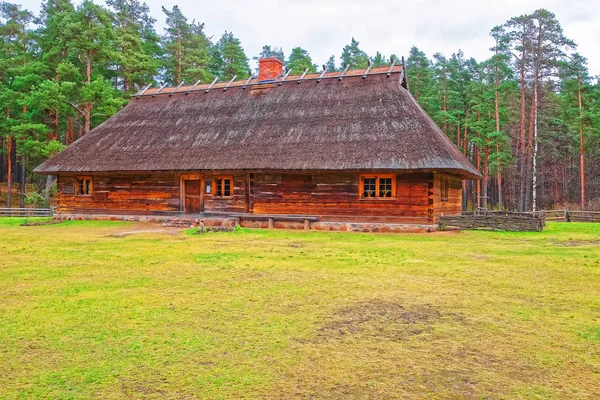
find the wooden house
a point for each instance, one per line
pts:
(335, 146)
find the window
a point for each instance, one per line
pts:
(223, 186)
(83, 186)
(378, 186)
(444, 189)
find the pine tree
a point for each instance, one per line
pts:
(299, 61)
(270, 51)
(420, 75)
(379, 60)
(17, 72)
(575, 85)
(330, 64)
(92, 40)
(229, 59)
(187, 50)
(54, 39)
(500, 76)
(519, 32)
(353, 56)
(447, 73)
(135, 63)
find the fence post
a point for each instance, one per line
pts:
(567, 219)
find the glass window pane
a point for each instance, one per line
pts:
(369, 187)
(385, 187)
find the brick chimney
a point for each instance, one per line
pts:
(269, 68)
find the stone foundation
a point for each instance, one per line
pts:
(248, 222)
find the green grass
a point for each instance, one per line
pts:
(87, 311)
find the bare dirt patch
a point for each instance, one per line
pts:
(380, 319)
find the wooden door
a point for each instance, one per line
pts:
(193, 201)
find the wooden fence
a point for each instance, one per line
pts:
(572, 216)
(496, 221)
(26, 212)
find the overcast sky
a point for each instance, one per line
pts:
(323, 27)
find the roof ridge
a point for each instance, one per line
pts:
(244, 83)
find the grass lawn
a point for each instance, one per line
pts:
(90, 311)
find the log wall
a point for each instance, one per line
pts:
(336, 195)
(238, 203)
(121, 194)
(453, 204)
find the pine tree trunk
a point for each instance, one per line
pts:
(179, 59)
(88, 105)
(9, 170)
(499, 182)
(464, 149)
(535, 147)
(486, 174)
(499, 166)
(521, 155)
(55, 126)
(23, 177)
(9, 164)
(70, 137)
(557, 199)
(458, 132)
(23, 181)
(444, 109)
(465, 142)
(529, 152)
(479, 163)
(581, 145)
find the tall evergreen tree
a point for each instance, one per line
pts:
(500, 77)
(187, 50)
(135, 62)
(299, 61)
(330, 64)
(379, 60)
(520, 31)
(575, 86)
(17, 71)
(420, 76)
(229, 58)
(92, 41)
(270, 51)
(353, 56)
(548, 50)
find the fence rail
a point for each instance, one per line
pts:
(572, 216)
(26, 212)
(496, 221)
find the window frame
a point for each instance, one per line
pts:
(223, 178)
(83, 178)
(377, 177)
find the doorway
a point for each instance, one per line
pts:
(192, 194)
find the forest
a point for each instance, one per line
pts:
(528, 117)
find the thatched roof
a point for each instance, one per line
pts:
(355, 123)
